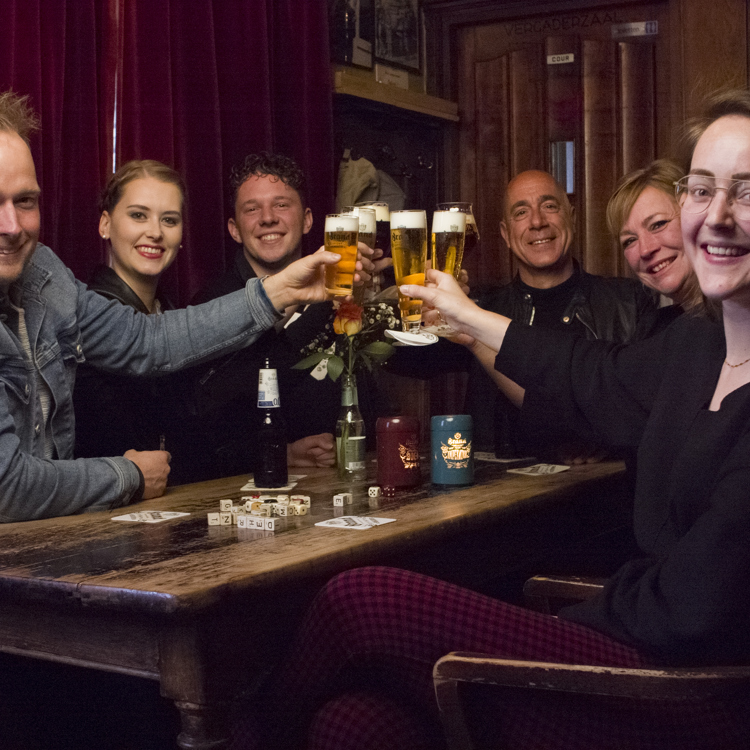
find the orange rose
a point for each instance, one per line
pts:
(348, 319)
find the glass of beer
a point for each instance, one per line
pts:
(367, 226)
(366, 216)
(341, 236)
(471, 239)
(409, 248)
(382, 225)
(448, 230)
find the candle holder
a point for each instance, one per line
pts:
(398, 453)
(452, 452)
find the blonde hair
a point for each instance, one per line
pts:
(17, 116)
(135, 170)
(660, 174)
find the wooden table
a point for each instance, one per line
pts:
(206, 609)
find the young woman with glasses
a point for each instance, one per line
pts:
(364, 654)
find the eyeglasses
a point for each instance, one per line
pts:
(696, 191)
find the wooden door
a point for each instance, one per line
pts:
(528, 83)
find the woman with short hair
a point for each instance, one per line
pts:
(644, 216)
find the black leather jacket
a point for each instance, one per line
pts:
(612, 309)
(117, 412)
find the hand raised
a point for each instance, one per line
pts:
(300, 282)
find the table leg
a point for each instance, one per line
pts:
(203, 727)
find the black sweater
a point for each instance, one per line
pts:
(686, 600)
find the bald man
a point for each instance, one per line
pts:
(549, 290)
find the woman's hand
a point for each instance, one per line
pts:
(444, 294)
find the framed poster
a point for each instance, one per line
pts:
(351, 29)
(397, 25)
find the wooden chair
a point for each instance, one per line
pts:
(548, 594)
(649, 684)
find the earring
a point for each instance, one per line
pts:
(104, 236)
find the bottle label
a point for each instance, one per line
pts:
(354, 453)
(456, 451)
(268, 389)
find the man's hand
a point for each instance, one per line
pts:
(365, 266)
(463, 281)
(576, 453)
(314, 450)
(300, 282)
(154, 466)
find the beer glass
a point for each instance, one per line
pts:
(471, 239)
(448, 229)
(409, 249)
(382, 225)
(366, 216)
(341, 236)
(367, 225)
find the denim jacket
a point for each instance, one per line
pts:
(68, 324)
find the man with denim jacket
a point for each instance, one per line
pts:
(49, 323)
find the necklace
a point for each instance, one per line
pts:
(739, 364)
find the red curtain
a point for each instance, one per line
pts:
(208, 81)
(49, 50)
(195, 84)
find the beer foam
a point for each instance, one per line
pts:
(382, 213)
(366, 219)
(341, 223)
(448, 221)
(408, 220)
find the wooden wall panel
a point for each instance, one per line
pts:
(637, 105)
(467, 137)
(492, 169)
(538, 103)
(528, 111)
(600, 155)
(713, 48)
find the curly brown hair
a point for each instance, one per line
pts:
(267, 164)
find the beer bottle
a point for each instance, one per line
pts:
(270, 470)
(350, 432)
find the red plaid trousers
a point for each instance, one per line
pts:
(363, 661)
